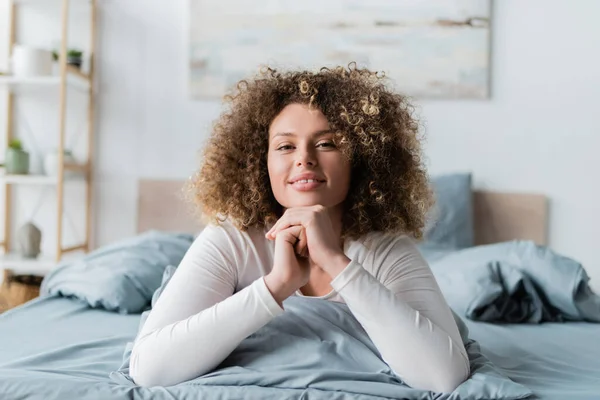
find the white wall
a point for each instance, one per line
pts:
(541, 131)
(147, 126)
(538, 133)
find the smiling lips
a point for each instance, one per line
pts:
(306, 182)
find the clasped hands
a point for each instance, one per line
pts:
(317, 239)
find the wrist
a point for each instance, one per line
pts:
(279, 288)
(338, 263)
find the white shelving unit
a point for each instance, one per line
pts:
(39, 265)
(75, 80)
(69, 78)
(41, 179)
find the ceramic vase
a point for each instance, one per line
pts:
(16, 161)
(29, 239)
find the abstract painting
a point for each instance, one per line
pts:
(428, 48)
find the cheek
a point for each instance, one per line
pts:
(345, 178)
(276, 172)
(341, 173)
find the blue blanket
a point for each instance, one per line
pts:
(515, 282)
(57, 348)
(318, 347)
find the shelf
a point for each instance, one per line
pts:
(33, 179)
(74, 71)
(45, 2)
(40, 265)
(75, 79)
(43, 263)
(29, 179)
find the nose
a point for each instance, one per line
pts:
(306, 158)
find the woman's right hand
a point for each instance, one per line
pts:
(290, 269)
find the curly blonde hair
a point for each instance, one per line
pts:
(389, 189)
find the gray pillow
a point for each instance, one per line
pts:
(122, 276)
(450, 221)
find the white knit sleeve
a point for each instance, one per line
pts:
(406, 316)
(198, 321)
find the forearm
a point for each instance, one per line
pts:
(279, 288)
(423, 354)
(192, 347)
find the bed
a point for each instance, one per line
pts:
(62, 347)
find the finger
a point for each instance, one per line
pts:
(268, 235)
(291, 234)
(287, 221)
(271, 233)
(291, 216)
(301, 245)
(276, 225)
(275, 228)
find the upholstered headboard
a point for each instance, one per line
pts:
(498, 216)
(506, 216)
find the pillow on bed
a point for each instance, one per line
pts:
(450, 221)
(516, 281)
(122, 276)
(167, 275)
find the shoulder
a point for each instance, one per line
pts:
(382, 252)
(383, 244)
(227, 237)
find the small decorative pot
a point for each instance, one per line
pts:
(17, 161)
(31, 61)
(29, 239)
(51, 163)
(75, 61)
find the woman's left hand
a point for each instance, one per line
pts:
(323, 243)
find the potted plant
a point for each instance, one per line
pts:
(17, 159)
(74, 57)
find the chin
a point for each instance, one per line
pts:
(306, 201)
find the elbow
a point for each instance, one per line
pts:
(438, 377)
(141, 379)
(448, 382)
(146, 373)
(142, 376)
(148, 369)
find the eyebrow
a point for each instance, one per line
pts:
(317, 133)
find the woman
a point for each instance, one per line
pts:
(315, 187)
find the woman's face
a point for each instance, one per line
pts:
(305, 167)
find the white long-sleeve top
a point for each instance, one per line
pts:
(217, 297)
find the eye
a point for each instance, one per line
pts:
(326, 144)
(285, 147)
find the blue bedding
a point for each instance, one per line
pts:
(81, 346)
(555, 360)
(58, 347)
(515, 282)
(337, 357)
